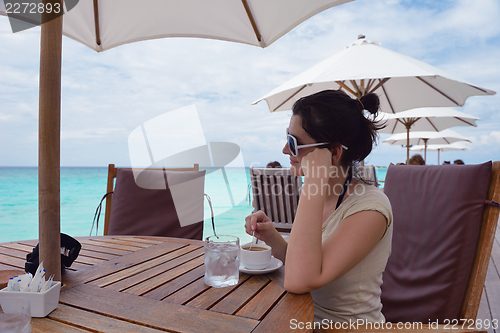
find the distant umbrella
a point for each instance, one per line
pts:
(401, 82)
(446, 136)
(425, 119)
(441, 147)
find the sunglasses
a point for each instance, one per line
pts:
(294, 147)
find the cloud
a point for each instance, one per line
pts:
(106, 95)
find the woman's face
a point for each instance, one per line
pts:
(295, 129)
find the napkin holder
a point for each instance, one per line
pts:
(41, 303)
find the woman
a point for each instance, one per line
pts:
(341, 235)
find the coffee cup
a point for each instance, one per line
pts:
(255, 256)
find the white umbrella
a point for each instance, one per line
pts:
(425, 119)
(401, 82)
(103, 24)
(441, 147)
(446, 136)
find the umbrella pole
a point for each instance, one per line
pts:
(425, 150)
(407, 143)
(438, 155)
(49, 131)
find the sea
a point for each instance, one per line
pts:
(82, 189)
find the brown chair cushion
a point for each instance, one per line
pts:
(139, 211)
(437, 220)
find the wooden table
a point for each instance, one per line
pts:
(150, 284)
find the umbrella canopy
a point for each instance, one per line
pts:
(441, 147)
(401, 82)
(446, 136)
(425, 119)
(103, 24)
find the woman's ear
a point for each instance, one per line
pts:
(336, 154)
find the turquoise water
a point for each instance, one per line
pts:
(83, 188)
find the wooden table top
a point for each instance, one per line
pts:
(151, 284)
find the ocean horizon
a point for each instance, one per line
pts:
(82, 188)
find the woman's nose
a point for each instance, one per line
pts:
(286, 149)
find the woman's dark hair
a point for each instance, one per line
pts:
(333, 116)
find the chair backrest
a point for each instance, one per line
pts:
(151, 209)
(368, 174)
(444, 229)
(276, 192)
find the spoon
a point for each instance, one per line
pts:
(253, 239)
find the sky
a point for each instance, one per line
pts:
(106, 96)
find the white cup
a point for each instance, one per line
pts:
(258, 257)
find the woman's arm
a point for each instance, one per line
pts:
(310, 264)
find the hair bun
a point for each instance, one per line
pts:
(371, 103)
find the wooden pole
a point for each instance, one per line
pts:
(425, 150)
(407, 143)
(49, 132)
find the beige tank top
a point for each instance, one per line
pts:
(356, 295)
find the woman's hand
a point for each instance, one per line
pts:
(317, 163)
(261, 224)
(266, 232)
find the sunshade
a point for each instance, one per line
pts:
(103, 24)
(253, 22)
(441, 147)
(425, 119)
(446, 136)
(401, 82)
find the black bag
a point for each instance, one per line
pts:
(70, 248)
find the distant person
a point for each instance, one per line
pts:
(416, 159)
(274, 164)
(446, 163)
(458, 162)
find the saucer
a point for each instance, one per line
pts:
(273, 265)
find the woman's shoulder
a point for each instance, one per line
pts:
(369, 197)
(367, 192)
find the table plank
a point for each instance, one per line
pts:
(155, 314)
(258, 306)
(102, 249)
(176, 284)
(288, 308)
(94, 254)
(112, 245)
(140, 240)
(96, 322)
(110, 267)
(44, 325)
(147, 269)
(234, 301)
(188, 293)
(161, 279)
(213, 295)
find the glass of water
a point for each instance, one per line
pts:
(15, 314)
(222, 261)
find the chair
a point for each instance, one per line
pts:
(445, 219)
(368, 174)
(150, 210)
(276, 192)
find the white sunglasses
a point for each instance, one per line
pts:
(294, 147)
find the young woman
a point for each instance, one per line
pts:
(341, 235)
